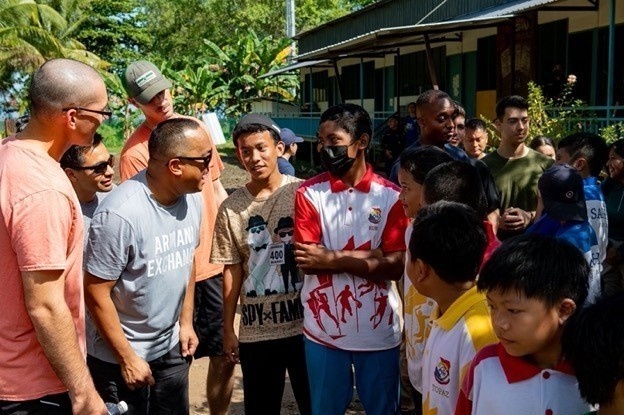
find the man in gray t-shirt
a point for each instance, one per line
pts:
(139, 280)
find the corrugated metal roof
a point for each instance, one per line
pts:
(508, 8)
(389, 37)
(295, 66)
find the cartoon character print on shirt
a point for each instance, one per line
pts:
(263, 276)
(290, 273)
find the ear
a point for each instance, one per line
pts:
(580, 164)
(70, 118)
(497, 124)
(281, 147)
(566, 308)
(364, 141)
(420, 121)
(133, 102)
(174, 167)
(71, 174)
(419, 272)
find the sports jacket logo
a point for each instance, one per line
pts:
(442, 371)
(375, 215)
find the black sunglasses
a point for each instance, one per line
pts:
(104, 113)
(205, 160)
(99, 168)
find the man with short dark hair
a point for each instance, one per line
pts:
(148, 90)
(459, 120)
(42, 338)
(139, 279)
(476, 138)
(90, 171)
(436, 115)
(515, 167)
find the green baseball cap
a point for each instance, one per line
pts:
(142, 81)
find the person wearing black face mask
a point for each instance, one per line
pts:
(349, 241)
(336, 159)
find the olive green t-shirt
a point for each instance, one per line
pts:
(517, 179)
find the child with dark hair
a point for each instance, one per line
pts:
(415, 165)
(349, 227)
(565, 216)
(588, 153)
(461, 320)
(456, 181)
(256, 259)
(593, 343)
(544, 145)
(533, 284)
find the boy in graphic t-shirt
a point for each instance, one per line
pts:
(253, 239)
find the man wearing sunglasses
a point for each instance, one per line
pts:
(148, 90)
(90, 171)
(139, 274)
(42, 332)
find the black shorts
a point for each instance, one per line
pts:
(208, 316)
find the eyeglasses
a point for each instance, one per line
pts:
(205, 160)
(99, 168)
(284, 234)
(104, 113)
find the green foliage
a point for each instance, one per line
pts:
(112, 131)
(196, 91)
(213, 50)
(179, 28)
(612, 132)
(113, 29)
(240, 66)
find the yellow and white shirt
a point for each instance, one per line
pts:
(455, 338)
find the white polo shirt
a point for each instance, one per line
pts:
(342, 310)
(455, 338)
(498, 383)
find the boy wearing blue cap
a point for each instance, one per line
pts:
(291, 142)
(565, 216)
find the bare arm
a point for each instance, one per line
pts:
(232, 282)
(135, 370)
(188, 337)
(44, 296)
(219, 191)
(365, 264)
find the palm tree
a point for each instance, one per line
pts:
(32, 32)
